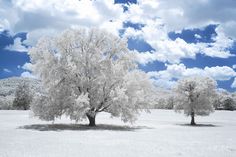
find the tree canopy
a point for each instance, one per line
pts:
(195, 96)
(87, 71)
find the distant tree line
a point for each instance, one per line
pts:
(21, 100)
(223, 100)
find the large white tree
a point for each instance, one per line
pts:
(195, 96)
(87, 71)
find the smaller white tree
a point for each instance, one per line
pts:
(195, 96)
(23, 97)
(225, 101)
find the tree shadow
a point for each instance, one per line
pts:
(199, 125)
(80, 127)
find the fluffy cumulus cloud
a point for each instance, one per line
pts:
(157, 17)
(165, 78)
(181, 14)
(42, 16)
(17, 46)
(27, 74)
(220, 73)
(27, 66)
(234, 83)
(169, 51)
(161, 17)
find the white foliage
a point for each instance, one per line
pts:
(8, 87)
(6, 102)
(225, 101)
(195, 95)
(23, 97)
(88, 71)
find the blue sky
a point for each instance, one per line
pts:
(171, 40)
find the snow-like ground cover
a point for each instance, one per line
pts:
(162, 133)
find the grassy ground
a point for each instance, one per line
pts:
(161, 133)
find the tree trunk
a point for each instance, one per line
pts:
(192, 119)
(91, 119)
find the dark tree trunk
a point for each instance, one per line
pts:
(25, 107)
(192, 119)
(91, 119)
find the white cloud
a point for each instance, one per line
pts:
(234, 66)
(7, 70)
(43, 16)
(161, 17)
(220, 73)
(219, 47)
(164, 84)
(27, 74)
(145, 57)
(24, 15)
(234, 83)
(132, 33)
(27, 66)
(166, 50)
(17, 46)
(8, 16)
(221, 90)
(181, 14)
(144, 11)
(4, 24)
(155, 33)
(178, 71)
(229, 29)
(34, 35)
(197, 36)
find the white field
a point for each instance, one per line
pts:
(162, 133)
